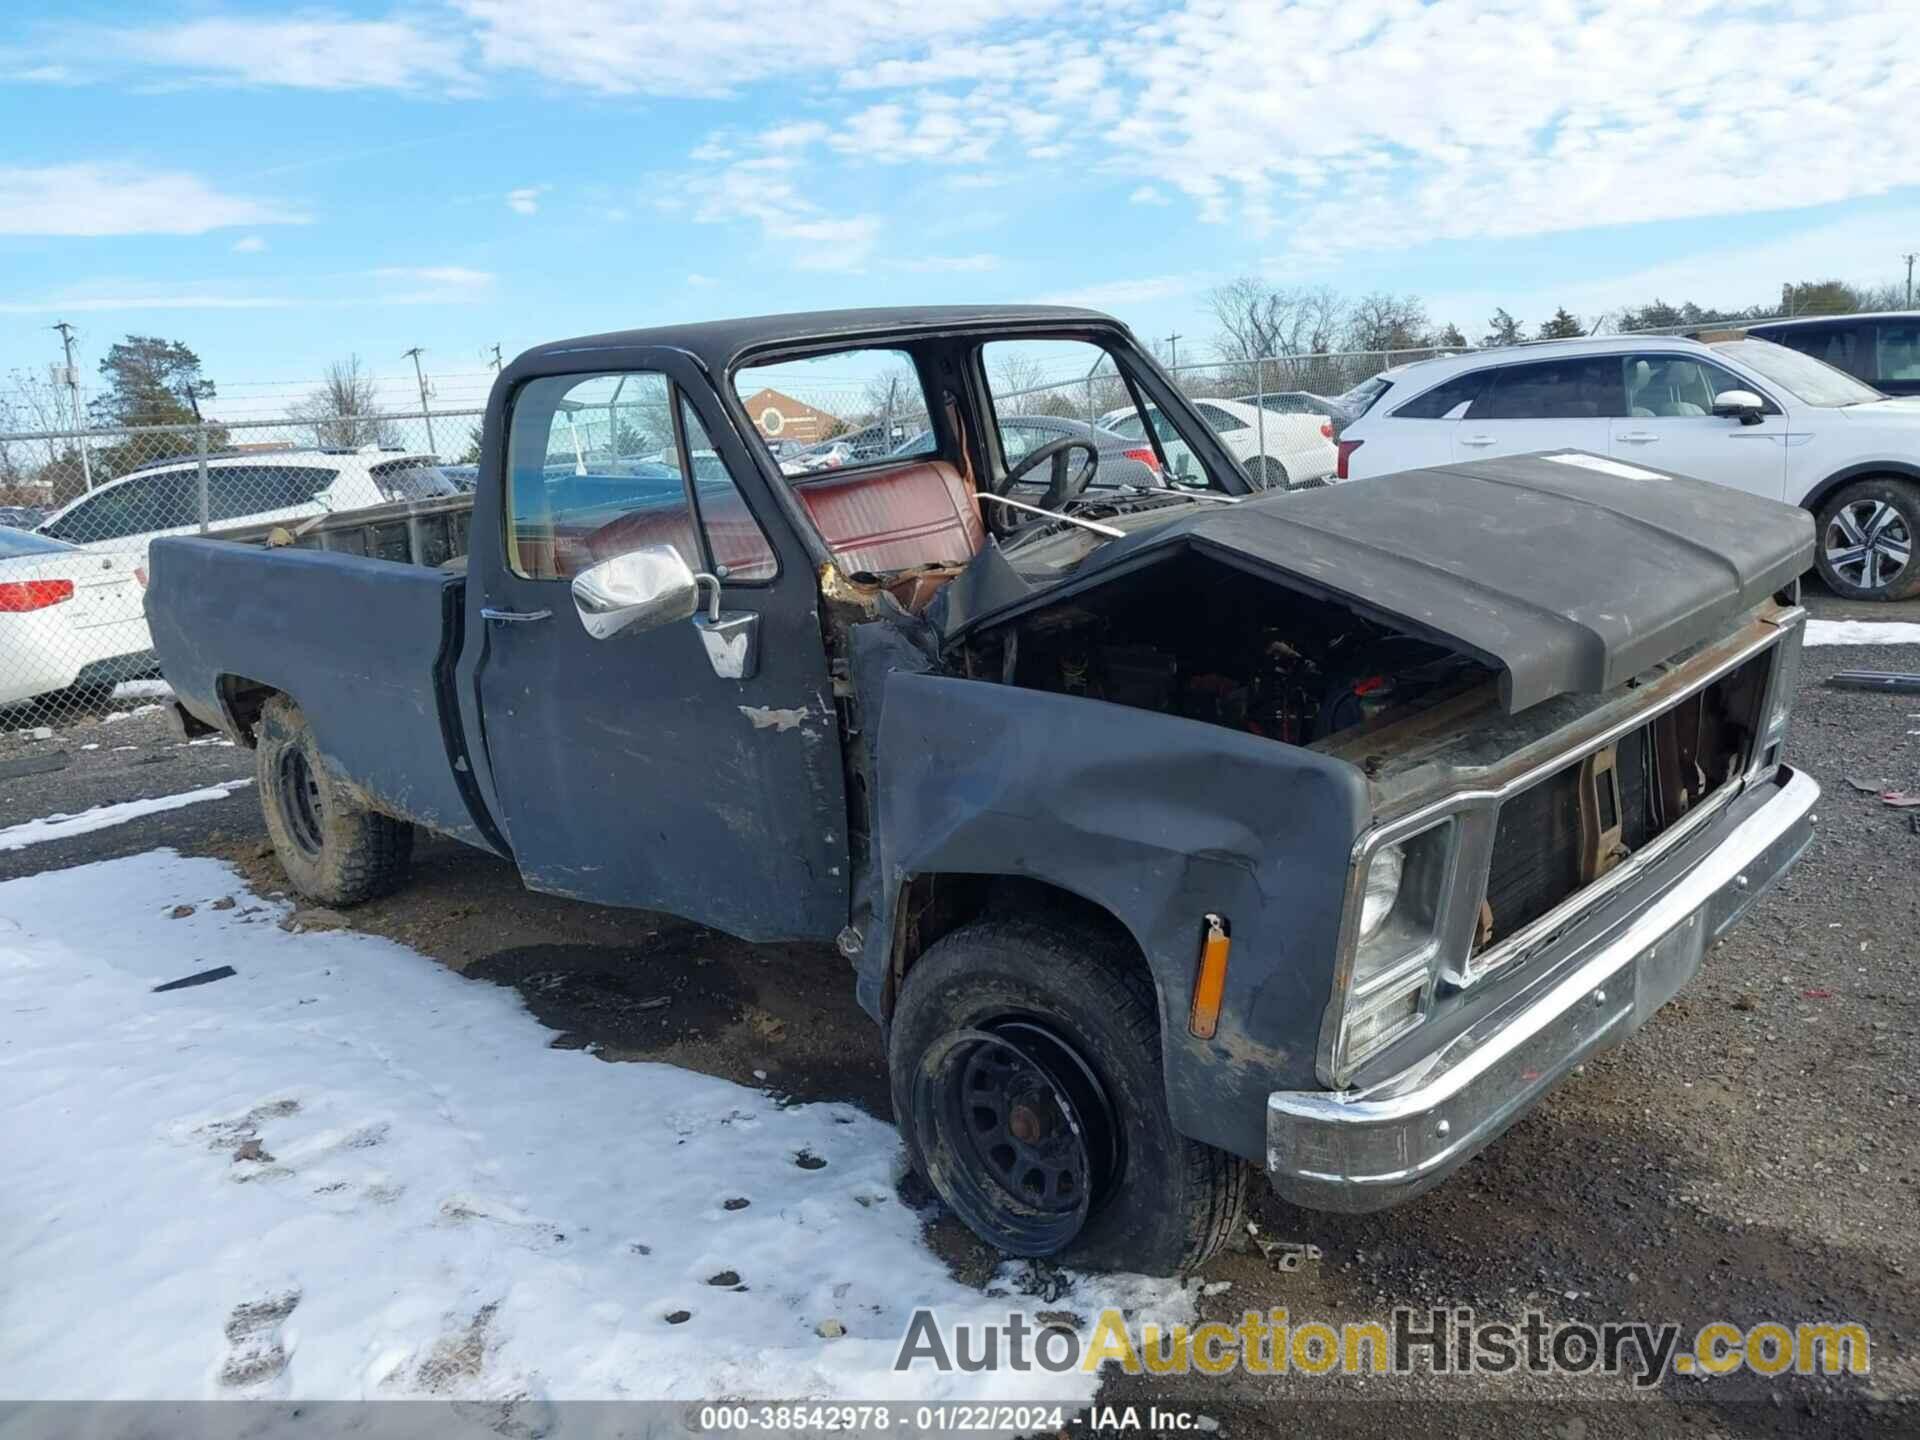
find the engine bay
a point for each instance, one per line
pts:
(1198, 638)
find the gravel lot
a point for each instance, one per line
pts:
(1750, 1155)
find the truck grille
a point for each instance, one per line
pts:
(1558, 836)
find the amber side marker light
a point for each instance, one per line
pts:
(1211, 983)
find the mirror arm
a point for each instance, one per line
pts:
(701, 577)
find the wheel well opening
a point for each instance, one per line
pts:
(243, 700)
(932, 906)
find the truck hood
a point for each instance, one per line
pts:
(1564, 573)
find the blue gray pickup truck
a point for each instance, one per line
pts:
(1172, 832)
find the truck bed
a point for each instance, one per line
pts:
(365, 647)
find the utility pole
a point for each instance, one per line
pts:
(421, 376)
(1173, 351)
(1910, 257)
(496, 357)
(72, 377)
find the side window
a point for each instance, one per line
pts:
(1897, 351)
(1446, 401)
(1676, 386)
(741, 554)
(594, 470)
(79, 524)
(1575, 389)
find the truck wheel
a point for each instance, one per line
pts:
(333, 848)
(1867, 533)
(1025, 1060)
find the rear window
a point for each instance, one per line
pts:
(852, 407)
(1364, 396)
(412, 480)
(1448, 396)
(15, 543)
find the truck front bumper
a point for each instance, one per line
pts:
(1360, 1150)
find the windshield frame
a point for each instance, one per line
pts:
(1789, 369)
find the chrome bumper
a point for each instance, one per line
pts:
(1360, 1150)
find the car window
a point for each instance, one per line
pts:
(1020, 441)
(1812, 381)
(236, 491)
(1224, 422)
(867, 403)
(1847, 347)
(137, 506)
(738, 546)
(1445, 401)
(1363, 397)
(412, 480)
(1677, 386)
(1128, 427)
(1896, 350)
(1581, 388)
(577, 495)
(15, 543)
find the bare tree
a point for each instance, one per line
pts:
(1258, 321)
(344, 411)
(1383, 321)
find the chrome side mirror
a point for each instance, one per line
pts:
(1741, 405)
(642, 589)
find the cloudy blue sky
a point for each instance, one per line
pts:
(281, 187)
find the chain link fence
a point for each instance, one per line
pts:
(78, 510)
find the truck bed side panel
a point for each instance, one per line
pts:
(362, 646)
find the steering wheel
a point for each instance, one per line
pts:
(1065, 483)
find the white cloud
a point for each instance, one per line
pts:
(249, 245)
(431, 285)
(123, 200)
(1113, 294)
(1148, 195)
(316, 52)
(697, 281)
(387, 286)
(525, 200)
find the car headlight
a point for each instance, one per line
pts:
(1396, 939)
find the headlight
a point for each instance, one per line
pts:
(1395, 942)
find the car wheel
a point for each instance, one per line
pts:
(333, 848)
(1270, 473)
(1025, 1063)
(1867, 532)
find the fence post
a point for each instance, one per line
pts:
(202, 472)
(1260, 419)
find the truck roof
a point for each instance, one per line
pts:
(718, 342)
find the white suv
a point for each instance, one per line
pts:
(164, 499)
(1743, 413)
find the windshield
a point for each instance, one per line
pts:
(412, 480)
(15, 543)
(1812, 381)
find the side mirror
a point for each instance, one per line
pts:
(642, 589)
(1741, 405)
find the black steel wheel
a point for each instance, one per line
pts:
(1030, 1129)
(300, 800)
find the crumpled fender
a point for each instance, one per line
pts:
(1159, 820)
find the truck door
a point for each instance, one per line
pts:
(626, 769)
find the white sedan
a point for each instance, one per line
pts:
(68, 616)
(1278, 450)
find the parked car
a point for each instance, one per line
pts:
(1747, 414)
(1883, 350)
(20, 517)
(68, 617)
(1278, 450)
(1174, 836)
(164, 498)
(1120, 461)
(869, 442)
(1303, 402)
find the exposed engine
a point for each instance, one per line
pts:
(1229, 649)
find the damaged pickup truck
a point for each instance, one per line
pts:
(1170, 830)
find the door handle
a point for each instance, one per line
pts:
(1476, 440)
(1637, 437)
(516, 617)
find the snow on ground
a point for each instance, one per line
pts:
(347, 1172)
(102, 817)
(1862, 632)
(143, 690)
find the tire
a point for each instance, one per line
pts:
(1076, 1006)
(1866, 540)
(1270, 473)
(334, 850)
